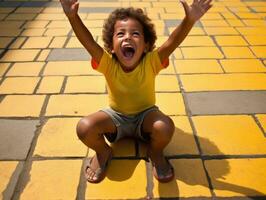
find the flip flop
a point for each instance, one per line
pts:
(100, 172)
(163, 175)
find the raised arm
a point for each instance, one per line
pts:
(70, 8)
(193, 13)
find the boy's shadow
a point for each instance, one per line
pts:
(190, 167)
(192, 170)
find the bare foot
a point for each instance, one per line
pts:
(96, 167)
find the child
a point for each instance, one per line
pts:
(130, 64)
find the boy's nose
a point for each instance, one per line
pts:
(127, 36)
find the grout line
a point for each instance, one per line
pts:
(189, 114)
(259, 124)
(24, 177)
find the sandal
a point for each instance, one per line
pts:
(163, 175)
(99, 173)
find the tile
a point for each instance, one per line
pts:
(9, 174)
(37, 42)
(50, 84)
(54, 130)
(10, 32)
(33, 32)
(235, 22)
(3, 68)
(251, 30)
(11, 24)
(237, 102)
(259, 51)
(221, 31)
(50, 16)
(69, 68)
(190, 181)
(24, 16)
(242, 65)
(201, 52)
(28, 10)
(216, 82)
(43, 55)
(5, 41)
(247, 15)
(118, 180)
(26, 85)
(230, 41)
(254, 22)
(58, 42)
(237, 52)
(17, 43)
(97, 16)
(6, 10)
(75, 105)
(16, 138)
(65, 173)
(212, 16)
(223, 131)
(238, 177)
(57, 32)
(32, 4)
(183, 142)
(83, 84)
(197, 66)
(169, 70)
(256, 39)
(36, 24)
(68, 55)
(197, 41)
(59, 24)
(96, 9)
(18, 105)
(19, 55)
(195, 31)
(165, 102)
(26, 69)
(214, 23)
(74, 43)
(166, 83)
(122, 148)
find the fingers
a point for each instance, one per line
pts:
(185, 5)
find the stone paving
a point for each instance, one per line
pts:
(214, 90)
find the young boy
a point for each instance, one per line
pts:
(130, 64)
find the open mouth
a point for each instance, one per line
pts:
(128, 52)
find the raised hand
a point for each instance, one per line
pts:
(70, 7)
(197, 9)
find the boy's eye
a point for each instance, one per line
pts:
(119, 34)
(136, 33)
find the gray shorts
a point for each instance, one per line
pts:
(128, 125)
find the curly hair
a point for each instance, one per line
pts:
(121, 14)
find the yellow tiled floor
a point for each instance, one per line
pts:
(214, 155)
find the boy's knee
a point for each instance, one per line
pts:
(84, 128)
(164, 127)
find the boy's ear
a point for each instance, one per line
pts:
(147, 47)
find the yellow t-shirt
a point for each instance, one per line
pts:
(130, 92)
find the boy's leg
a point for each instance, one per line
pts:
(160, 128)
(91, 130)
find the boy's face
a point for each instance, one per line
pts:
(128, 43)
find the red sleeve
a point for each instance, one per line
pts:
(94, 63)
